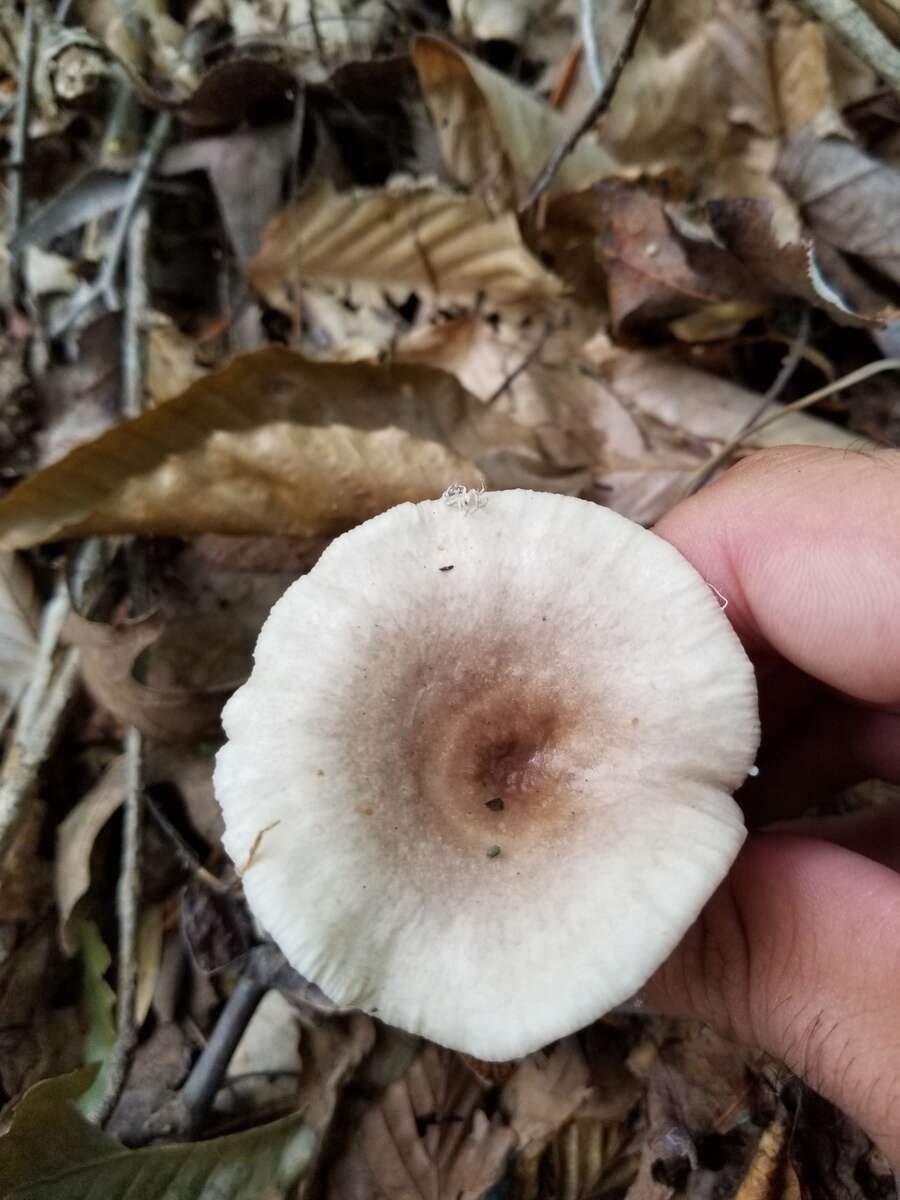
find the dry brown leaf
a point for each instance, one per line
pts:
(172, 359)
(426, 1138)
(75, 837)
(771, 1175)
(653, 272)
(330, 1052)
(108, 657)
(546, 1091)
(422, 239)
(589, 1158)
(851, 201)
(272, 443)
(803, 77)
(772, 245)
(495, 136)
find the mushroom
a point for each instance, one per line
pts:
(495, 796)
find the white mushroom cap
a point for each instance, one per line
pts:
(499, 740)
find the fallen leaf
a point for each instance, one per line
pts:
(75, 837)
(803, 77)
(330, 1053)
(851, 200)
(588, 1159)
(228, 93)
(172, 359)
(109, 654)
(771, 1175)
(98, 1004)
(247, 172)
(653, 271)
(422, 239)
(20, 609)
(151, 930)
(80, 1160)
(781, 256)
(495, 136)
(426, 1137)
(273, 443)
(544, 1094)
(160, 1066)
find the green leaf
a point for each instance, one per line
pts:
(99, 1003)
(53, 1153)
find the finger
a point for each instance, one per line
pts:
(873, 832)
(825, 750)
(804, 543)
(799, 953)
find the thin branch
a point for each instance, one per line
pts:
(788, 367)
(19, 156)
(209, 1070)
(526, 362)
(104, 286)
(596, 110)
(128, 906)
(136, 298)
(858, 376)
(591, 43)
(31, 747)
(52, 620)
(856, 29)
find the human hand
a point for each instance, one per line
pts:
(798, 952)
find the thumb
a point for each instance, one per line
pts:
(798, 953)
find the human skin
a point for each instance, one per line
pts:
(798, 952)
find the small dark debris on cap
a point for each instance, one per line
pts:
(493, 851)
(450, 568)
(495, 805)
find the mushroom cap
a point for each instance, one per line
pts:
(492, 745)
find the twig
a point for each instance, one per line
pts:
(856, 29)
(19, 156)
(128, 906)
(596, 110)
(30, 748)
(52, 621)
(209, 1070)
(788, 367)
(104, 286)
(857, 376)
(591, 43)
(526, 362)
(134, 316)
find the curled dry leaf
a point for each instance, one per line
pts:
(495, 136)
(772, 246)
(75, 837)
(425, 1138)
(272, 443)
(422, 239)
(108, 657)
(653, 271)
(852, 201)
